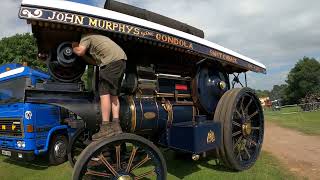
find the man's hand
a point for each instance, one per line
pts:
(75, 44)
(78, 49)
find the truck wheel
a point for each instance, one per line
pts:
(58, 149)
(79, 141)
(104, 159)
(242, 128)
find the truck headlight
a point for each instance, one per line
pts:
(21, 144)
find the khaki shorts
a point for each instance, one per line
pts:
(110, 77)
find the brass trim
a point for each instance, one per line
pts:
(222, 85)
(133, 113)
(246, 129)
(149, 116)
(142, 113)
(211, 138)
(194, 113)
(184, 103)
(158, 111)
(124, 177)
(168, 107)
(173, 95)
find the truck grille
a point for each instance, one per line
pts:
(10, 127)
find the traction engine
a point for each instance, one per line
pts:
(175, 93)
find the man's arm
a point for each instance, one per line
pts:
(78, 49)
(89, 60)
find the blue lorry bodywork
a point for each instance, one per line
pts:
(25, 128)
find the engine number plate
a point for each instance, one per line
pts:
(6, 153)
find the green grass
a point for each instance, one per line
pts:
(293, 117)
(267, 167)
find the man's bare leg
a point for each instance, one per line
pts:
(105, 107)
(115, 107)
(115, 104)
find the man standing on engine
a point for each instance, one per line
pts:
(112, 62)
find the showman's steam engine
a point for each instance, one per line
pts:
(176, 90)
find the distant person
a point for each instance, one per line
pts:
(112, 62)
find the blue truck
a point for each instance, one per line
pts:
(28, 130)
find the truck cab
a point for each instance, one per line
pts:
(29, 129)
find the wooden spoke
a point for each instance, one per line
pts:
(95, 173)
(147, 158)
(236, 133)
(237, 143)
(253, 114)
(238, 113)
(107, 164)
(236, 124)
(239, 155)
(133, 153)
(246, 150)
(247, 107)
(255, 128)
(149, 173)
(118, 166)
(241, 106)
(252, 142)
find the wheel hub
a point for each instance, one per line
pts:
(68, 51)
(246, 129)
(125, 177)
(60, 149)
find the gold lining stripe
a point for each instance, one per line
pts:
(173, 95)
(133, 113)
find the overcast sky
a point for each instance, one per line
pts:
(276, 33)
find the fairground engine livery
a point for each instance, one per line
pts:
(176, 92)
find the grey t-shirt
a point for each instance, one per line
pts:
(102, 49)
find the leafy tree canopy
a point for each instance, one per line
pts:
(20, 48)
(263, 93)
(303, 79)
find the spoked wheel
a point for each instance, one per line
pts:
(79, 141)
(242, 121)
(105, 159)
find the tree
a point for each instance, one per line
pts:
(302, 79)
(263, 93)
(279, 92)
(20, 48)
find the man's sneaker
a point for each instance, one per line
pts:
(106, 130)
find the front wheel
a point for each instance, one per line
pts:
(58, 149)
(241, 116)
(124, 156)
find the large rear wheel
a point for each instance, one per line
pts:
(241, 116)
(124, 156)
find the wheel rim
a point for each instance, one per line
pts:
(79, 144)
(137, 161)
(247, 129)
(60, 149)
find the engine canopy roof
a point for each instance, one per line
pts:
(86, 16)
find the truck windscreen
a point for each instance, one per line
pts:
(12, 90)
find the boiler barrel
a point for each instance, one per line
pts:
(149, 115)
(153, 17)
